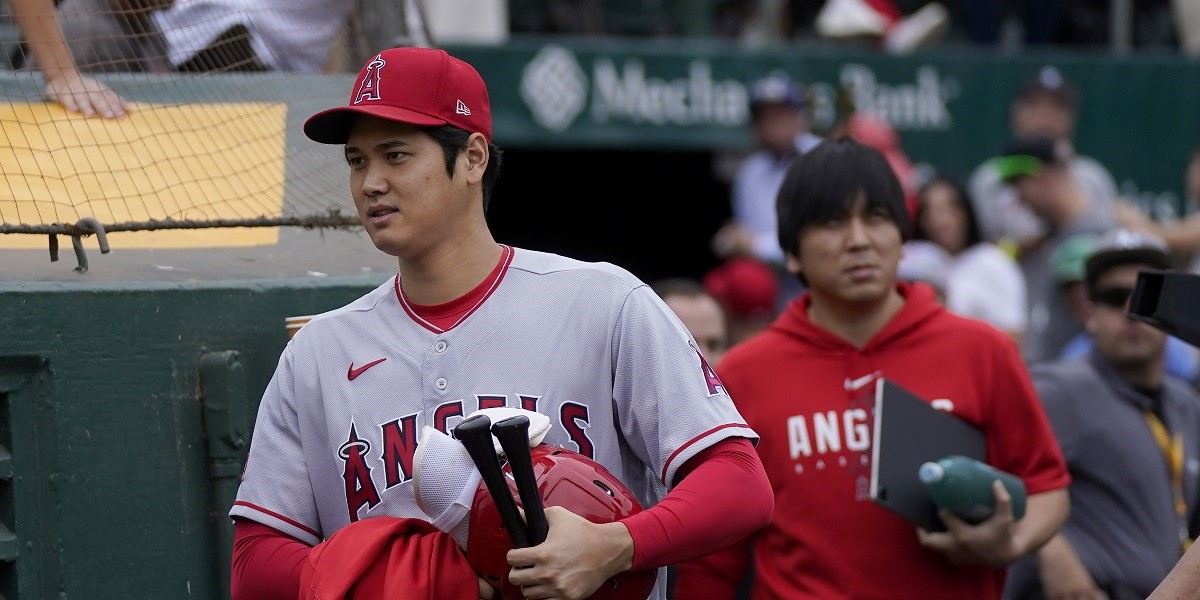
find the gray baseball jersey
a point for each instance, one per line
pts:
(587, 344)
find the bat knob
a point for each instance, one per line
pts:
(473, 428)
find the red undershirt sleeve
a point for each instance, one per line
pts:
(703, 513)
(266, 563)
(714, 576)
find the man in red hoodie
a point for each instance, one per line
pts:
(801, 385)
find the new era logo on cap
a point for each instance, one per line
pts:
(422, 85)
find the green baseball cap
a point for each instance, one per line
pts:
(1070, 257)
(1027, 156)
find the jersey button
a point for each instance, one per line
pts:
(440, 383)
(440, 346)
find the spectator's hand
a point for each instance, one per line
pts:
(81, 94)
(1063, 575)
(733, 240)
(577, 557)
(1069, 581)
(1128, 216)
(989, 543)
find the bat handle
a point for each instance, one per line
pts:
(476, 436)
(513, 434)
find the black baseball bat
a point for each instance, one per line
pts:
(513, 434)
(475, 434)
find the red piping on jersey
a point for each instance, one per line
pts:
(272, 513)
(667, 465)
(497, 275)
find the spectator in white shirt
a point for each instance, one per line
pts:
(252, 35)
(981, 281)
(780, 118)
(159, 36)
(779, 115)
(1046, 106)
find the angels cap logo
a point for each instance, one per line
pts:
(554, 87)
(369, 88)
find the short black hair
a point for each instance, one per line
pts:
(679, 286)
(454, 140)
(964, 203)
(823, 184)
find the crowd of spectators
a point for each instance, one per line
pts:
(895, 26)
(68, 39)
(1040, 246)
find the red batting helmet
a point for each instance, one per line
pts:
(574, 482)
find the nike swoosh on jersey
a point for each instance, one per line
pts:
(352, 373)
(855, 384)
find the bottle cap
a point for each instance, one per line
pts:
(930, 472)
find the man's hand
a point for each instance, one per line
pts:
(1063, 575)
(1128, 216)
(990, 543)
(577, 557)
(81, 94)
(486, 591)
(1072, 584)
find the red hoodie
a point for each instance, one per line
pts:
(387, 557)
(807, 393)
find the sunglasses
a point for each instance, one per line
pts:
(1113, 297)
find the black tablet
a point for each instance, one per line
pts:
(907, 433)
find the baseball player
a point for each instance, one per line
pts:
(468, 323)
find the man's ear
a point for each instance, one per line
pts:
(475, 156)
(792, 262)
(1089, 320)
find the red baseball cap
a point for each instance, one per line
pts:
(746, 287)
(418, 86)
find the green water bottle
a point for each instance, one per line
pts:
(963, 486)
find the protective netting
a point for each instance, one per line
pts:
(213, 91)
